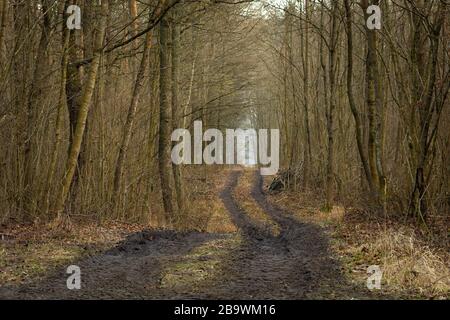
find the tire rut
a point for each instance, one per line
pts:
(295, 264)
(299, 256)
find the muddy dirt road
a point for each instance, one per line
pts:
(250, 264)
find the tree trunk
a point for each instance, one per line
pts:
(305, 56)
(332, 106)
(176, 116)
(165, 123)
(3, 10)
(355, 112)
(375, 107)
(21, 67)
(423, 74)
(78, 135)
(59, 120)
(35, 92)
(138, 86)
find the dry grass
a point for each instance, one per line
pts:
(412, 266)
(409, 265)
(250, 206)
(201, 265)
(205, 210)
(307, 207)
(29, 252)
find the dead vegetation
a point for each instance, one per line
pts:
(248, 204)
(410, 265)
(205, 211)
(30, 252)
(413, 265)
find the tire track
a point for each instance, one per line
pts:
(239, 217)
(295, 264)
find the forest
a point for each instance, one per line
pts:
(312, 141)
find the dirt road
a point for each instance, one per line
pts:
(250, 264)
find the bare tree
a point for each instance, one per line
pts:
(78, 135)
(165, 123)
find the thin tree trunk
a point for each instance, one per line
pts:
(73, 95)
(59, 121)
(324, 67)
(356, 114)
(424, 83)
(375, 106)
(133, 14)
(176, 117)
(75, 147)
(33, 100)
(332, 106)
(165, 123)
(3, 10)
(86, 49)
(20, 68)
(138, 86)
(305, 56)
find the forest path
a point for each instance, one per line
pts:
(253, 263)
